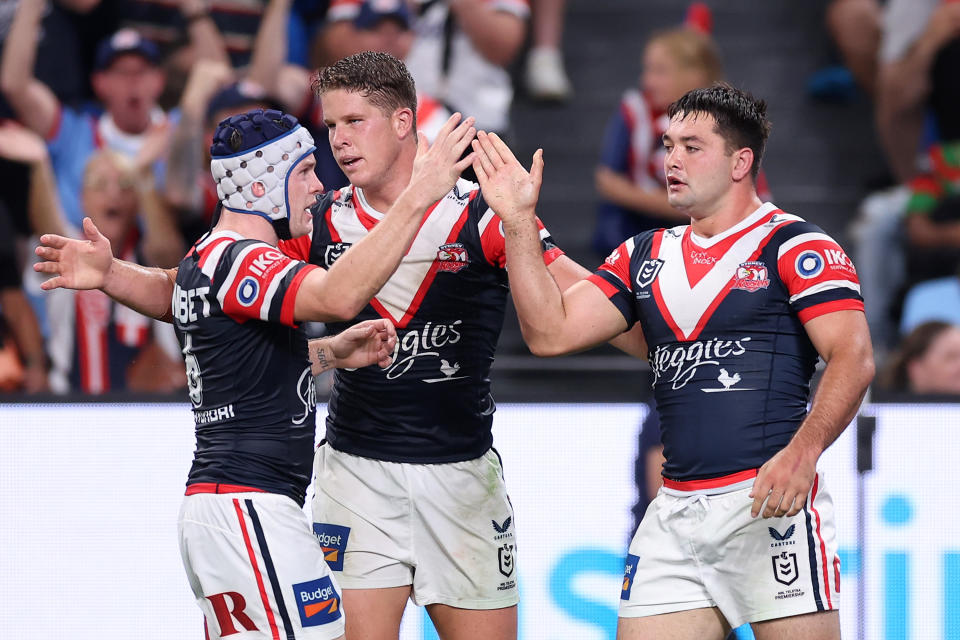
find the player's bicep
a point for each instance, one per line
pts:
(590, 318)
(316, 301)
(843, 331)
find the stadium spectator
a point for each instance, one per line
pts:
(914, 32)
(127, 80)
(459, 52)
(855, 27)
(630, 177)
(927, 361)
(545, 76)
(96, 345)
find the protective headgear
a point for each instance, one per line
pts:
(252, 156)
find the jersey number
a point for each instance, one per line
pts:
(194, 382)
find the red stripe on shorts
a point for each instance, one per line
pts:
(823, 546)
(256, 572)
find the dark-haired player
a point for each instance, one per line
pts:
(735, 308)
(251, 558)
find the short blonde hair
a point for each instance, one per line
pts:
(692, 50)
(121, 162)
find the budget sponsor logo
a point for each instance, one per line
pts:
(333, 540)
(317, 601)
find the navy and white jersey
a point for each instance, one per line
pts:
(723, 319)
(248, 373)
(447, 300)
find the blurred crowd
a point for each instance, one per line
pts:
(107, 108)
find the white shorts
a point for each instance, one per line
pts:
(694, 550)
(446, 529)
(254, 567)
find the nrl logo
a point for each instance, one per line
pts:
(648, 272)
(505, 557)
(785, 569)
(334, 251)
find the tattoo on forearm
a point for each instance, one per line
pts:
(323, 361)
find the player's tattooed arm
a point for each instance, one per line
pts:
(364, 344)
(90, 264)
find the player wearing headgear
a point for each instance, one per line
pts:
(410, 500)
(735, 308)
(250, 556)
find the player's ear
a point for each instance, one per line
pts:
(742, 163)
(402, 120)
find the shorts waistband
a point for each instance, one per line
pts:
(721, 484)
(218, 487)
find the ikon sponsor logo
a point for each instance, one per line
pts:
(452, 257)
(317, 601)
(751, 276)
(333, 540)
(629, 573)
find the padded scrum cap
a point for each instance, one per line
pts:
(251, 158)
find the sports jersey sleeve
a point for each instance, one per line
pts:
(492, 241)
(297, 248)
(613, 279)
(254, 281)
(817, 273)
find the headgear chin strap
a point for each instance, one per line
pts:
(251, 159)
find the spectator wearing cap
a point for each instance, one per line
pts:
(127, 80)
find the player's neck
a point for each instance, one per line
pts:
(727, 213)
(249, 226)
(383, 193)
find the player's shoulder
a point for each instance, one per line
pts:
(324, 201)
(790, 231)
(643, 243)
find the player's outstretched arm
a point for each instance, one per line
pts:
(364, 344)
(343, 291)
(843, 340)
(89, 264)
(566, 273)
(552, 322)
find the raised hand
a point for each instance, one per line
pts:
(363, 344)
(438, 166)
(78, 264)
(20, 144)
(509, 189)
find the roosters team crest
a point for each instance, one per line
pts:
(751, 276)
(452, 257)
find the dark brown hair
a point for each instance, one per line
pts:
(741, 119)
(381, 78)
(896, 375)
